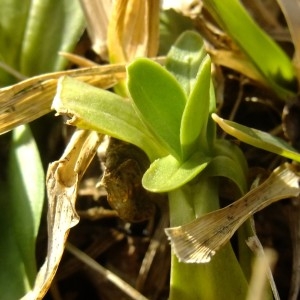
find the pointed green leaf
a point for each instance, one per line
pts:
(14, 281)
(167, 173)
(184, 59)
(51, 26)
(159, 101)
(96, 109)
(211, 125)
(21, 211)
(33, 32)
(195, 114)
(13, 16)
(276, 67)
(257, 138)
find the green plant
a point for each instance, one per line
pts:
(168, 116)
(275, 69)
(163, 120)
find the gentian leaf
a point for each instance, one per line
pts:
(257, 138)
(159, 101)
(100, 110)
(195, 114)
(167, 173)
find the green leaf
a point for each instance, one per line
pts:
(159, 101)
(167, 173)
(172, 24)
(13, 16)
(227, 148)
(96, 109)
(226, 167)
(192, 280)
(265, 55)
(195, 115)
(33, 32)
(21, 212)
(211, 125)
(184, 59)
(52, 26)
(257, 138)
(13, 278)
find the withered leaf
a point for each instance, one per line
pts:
(198, 241)
(63, 177)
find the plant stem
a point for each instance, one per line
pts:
(222, 277)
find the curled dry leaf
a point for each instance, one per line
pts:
(198, 241)
(63, 177)
(133, 29)
(97, 14)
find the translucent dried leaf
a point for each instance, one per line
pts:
(198, 241)
(97, 15)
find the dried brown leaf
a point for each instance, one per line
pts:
(97, 14)
(291, 11)
(63, 177)
(198, 241)
(30, 99)
(133, 29)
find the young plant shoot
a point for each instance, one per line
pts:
(168, 116)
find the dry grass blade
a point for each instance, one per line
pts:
(97, 15)
(30, 99)
(255, 245)
(258, 284)
(62, 182)
(117, 281)
(133, 29)
(198, 241)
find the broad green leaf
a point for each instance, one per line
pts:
(167, 173)
(33, 32)
(21, 209)
(159, 101)
(96, 109)
(257, 138)
(184, 59)
(195, 115)
(266, 56)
